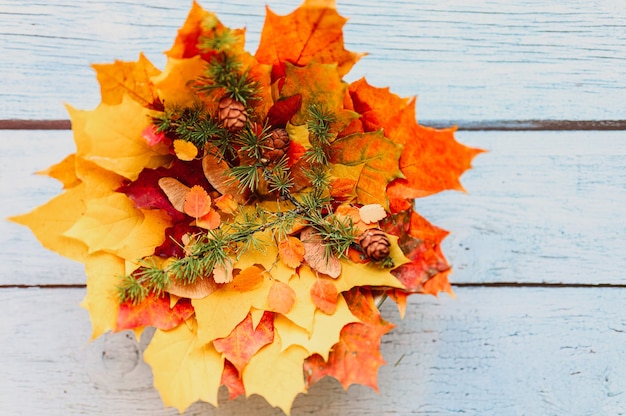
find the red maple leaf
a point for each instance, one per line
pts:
(356, 358)
(420, 242)
(244, 341)
(232, 380)
(153, 311)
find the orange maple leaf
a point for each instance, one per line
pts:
(153, 311)
(245, 340)
(232, 380)
(313, 32)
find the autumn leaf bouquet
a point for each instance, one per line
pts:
(253, 208)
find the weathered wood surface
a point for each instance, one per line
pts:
(504, 351)
(467, 61)
(543, 207)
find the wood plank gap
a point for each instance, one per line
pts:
(540, 284)
(44, 286)
(486, 125)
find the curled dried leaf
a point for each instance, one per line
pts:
(316, 256)
(175, 191)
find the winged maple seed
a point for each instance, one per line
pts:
(253, 204)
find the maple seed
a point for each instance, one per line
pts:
(232, 114)
(375, 244)
(275, 146)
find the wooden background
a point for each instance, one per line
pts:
(538, 326)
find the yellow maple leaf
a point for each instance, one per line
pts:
(113, 224)
(51, 220)
(99, 182)
(64, 172)
(173, 83)
(104, 273)
(127, 78)
(111, 137)
(303, 310)
(357, 274)
(185, 370)
(223, 309)
(276, 374)
(325, 333)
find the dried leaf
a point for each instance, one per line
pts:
(200, 288)
(324, 295)
(216, 172)
(372, 213)
(175, 191)
(291, 252)
(315, 254)
(280, 298)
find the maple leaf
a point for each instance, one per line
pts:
(104, 271)
(64, 172)
(111, 137)
(153, 311)
(432, 161)
(324, 295)
(173, 85)
(377, 107)
(245, 340)
(50, 221)
(313, 32)
(276, 374)
(185, 369)
(113, 224)
(291, 251)
(420, 241)
(222, 310)
(380, 157)
(316, 83)
(283, 110)
(280, 298)
(232, 380)
(324, 334)
(128, 78)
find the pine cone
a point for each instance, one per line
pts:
(375, 243)
(276, 146)
(232, 114)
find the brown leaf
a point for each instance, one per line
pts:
(280, 298)
(202, 287)
(315, 254)
(216, 172)
(175, 191)
(324, 295)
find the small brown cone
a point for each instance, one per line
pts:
(232, 114)
(375, 244)
(276, 146)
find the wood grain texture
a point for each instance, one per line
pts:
(486, 353)
(541, 207)
(467, 61)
